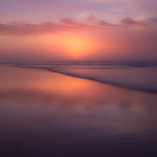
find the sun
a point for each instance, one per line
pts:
(77, 46)
(69, 46)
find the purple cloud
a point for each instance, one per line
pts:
(67, 25)
(82, 26)
(102, 23)
(132, 22)
(106, 24)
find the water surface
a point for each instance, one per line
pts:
(78, 111)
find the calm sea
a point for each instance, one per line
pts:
(78, 111)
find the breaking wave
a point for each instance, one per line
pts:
(128, 77)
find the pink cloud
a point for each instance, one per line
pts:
(77, 25)
(92, 18)
(29, 29)
(106, 24)
(66, 25)
(132, 22)
(154, 20)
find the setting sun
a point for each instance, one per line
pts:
(77, 46)
(72, 46)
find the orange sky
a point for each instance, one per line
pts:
(91, 30)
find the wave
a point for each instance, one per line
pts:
(133, 78)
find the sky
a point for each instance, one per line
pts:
(36, 31)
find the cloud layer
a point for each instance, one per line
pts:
(70, 25)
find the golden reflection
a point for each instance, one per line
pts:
(33, 79)
(65, 89)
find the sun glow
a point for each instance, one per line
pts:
(77, 47)
(69, 46)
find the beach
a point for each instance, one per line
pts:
(57, 113)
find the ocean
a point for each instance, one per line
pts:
(78, 110)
